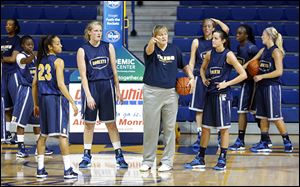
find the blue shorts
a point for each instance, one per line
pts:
(198, 98)
(3, 123)
(54, 115)
(10, 87)
(217, 111)
(23, 108)
(103, 92)
(268, 99)
(247, 98)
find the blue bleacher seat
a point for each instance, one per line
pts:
(261, 26)
(291, 44)
(233, 26)
(194, 29)
(186, 58)
(292, 14)
(61, 2)
(86, 2)
(290, 114)
(184, 44)
(11, 2)
(291, 61)
(52, 28)
(36, 41)
(233, 44)
(8, 12)
(291, 29)
(30, 12)
(242, 14)
(274, 14)
(56, 13)
(290, 78)
(71, 44)
(290, 96)
(189, 14)
(76, 28)
(3, 30)
(30, 28)
(218, 13)
(84, 13)
(69, 59)
(67, 74)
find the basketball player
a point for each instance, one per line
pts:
(199, 48)
(246, 50)
(160, 98)
(268, 93)
(10, 46)
(50, 98)
(23, 108)
(215, 72)
(96, 62)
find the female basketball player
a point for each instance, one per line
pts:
(96, 62)
(199, 48)
(215, 72)
(268, 96)
(23, 108)
(50, 98)
(160, 98)
(10, 47)
(246, 51)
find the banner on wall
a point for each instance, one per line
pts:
(129, 115)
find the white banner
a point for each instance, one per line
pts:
(129, 115)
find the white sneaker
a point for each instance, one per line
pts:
(145, 168)
(165, 167)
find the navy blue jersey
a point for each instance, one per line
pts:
(47, 81)
(246, 52)
(8, 45)
(25, 71)
(267, 65)
(97, 61)
(203, 47)
(218, 70)
(161, 66)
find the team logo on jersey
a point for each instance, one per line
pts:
(215, 72)
(241, 60)
(32, 71)
(165, 59)
(99, 62)
(113, 4)
(113, 36)
(265, 66)
(5, 48)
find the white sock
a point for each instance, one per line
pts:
(116, 145)
(87, 146)
(67, 161)
(7, 126)
(37, 137)
(20, 138)
(40, 159)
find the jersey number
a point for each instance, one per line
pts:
(44, 72)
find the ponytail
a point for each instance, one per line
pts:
(279, 43)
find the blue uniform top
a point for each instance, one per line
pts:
(47, 81)
(161, 66)
(203, 47)
(267, 65)
(8, 45)
(97, 61)
(25, 71)
(218, 70)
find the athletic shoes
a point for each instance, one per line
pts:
(197, 163)
(70, 174)
(86, 161)
(261, 147)
(14, 139)
(41, 173)
(288, 147)
(22, 153)
(120, 159)
(270, 144)
(238, 145)
(221, 164)
(47, 151)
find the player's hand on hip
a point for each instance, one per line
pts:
(91, 103)
(222, 85)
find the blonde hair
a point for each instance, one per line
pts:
(89, 27)
(276, 37)
(158, 28)
(208, 19)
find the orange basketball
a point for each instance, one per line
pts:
(253, 68)
(181, 86)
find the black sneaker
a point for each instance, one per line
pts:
(70, 174)
(41, 173)
(221, 165)
(120, 159)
